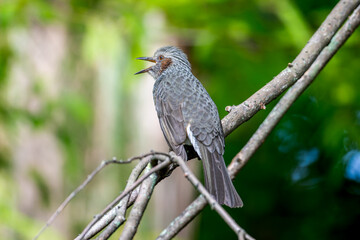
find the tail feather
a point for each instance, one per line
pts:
(217, 179)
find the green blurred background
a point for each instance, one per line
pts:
(69, 99)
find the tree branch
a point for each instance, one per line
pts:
(140, 204)
(243, 112)
(117, 215)
(153, 156)
(294, 92)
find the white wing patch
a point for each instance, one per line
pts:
(193, 140)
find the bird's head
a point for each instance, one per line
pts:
(165, 58)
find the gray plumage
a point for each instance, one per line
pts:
(188, 114)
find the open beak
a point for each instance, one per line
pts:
(150, 59)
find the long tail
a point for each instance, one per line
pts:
(217, 179)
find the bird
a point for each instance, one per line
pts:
(188, 116)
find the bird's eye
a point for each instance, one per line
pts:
(161, 57)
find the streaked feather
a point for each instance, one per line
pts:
(172, 126)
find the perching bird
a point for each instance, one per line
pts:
(188, 115)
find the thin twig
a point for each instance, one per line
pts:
(244, 111)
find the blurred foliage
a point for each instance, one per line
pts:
(13, 223)
(301, 184)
